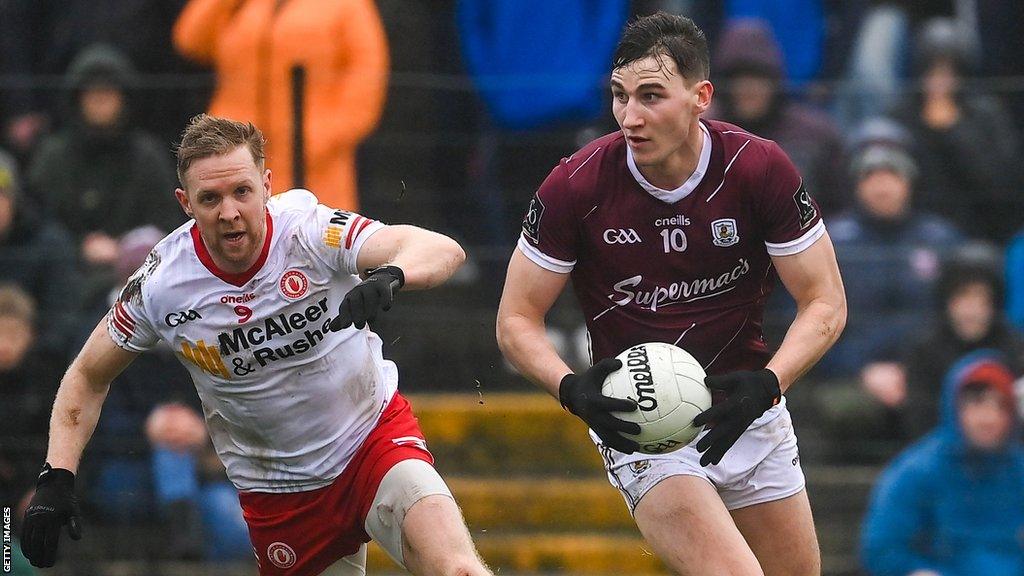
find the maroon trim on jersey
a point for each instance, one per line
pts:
(236, 279)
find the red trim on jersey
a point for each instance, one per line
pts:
(353, 232)
(122, 317)
(121, 328)
(123, 314)
(236, 279)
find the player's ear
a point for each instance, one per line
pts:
(266, 184)
(705, 90)
(183, 201)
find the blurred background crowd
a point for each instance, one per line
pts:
(904, 117)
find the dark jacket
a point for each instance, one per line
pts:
(890, 269)
(930, 357)
(808, 136)
(104, 180)
(26, 396)
(37, 255)
(946, 507)
(970, 171)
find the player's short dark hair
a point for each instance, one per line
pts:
(665, 34)
(207, 136)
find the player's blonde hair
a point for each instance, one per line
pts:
(207, 136)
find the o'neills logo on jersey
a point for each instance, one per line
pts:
(677, 292)
(308, 322)
(239, 299)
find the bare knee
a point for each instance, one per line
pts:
(685, 509)
(436, 541)
(453, 564)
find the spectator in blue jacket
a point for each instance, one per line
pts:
(953, 503)
(1015, 281)
(890, 254)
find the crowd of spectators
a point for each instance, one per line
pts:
(892, 111)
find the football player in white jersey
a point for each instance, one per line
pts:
(266, 301)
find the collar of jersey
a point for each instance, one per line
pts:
(673, 196)
(239, 278)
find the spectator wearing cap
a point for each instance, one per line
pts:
(36, 256)
(101, 176)
(967, 146)
(953, 503)
(750, 81)
(890, 255)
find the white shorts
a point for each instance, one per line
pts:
(762, 466)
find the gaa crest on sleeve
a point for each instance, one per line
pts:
(804, 206)
(531, 221)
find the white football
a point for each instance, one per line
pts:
(667, 384)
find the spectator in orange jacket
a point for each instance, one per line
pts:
(255, 47)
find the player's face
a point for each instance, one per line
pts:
(227, 195)
(657, 109)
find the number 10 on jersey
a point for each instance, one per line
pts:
(673, 240)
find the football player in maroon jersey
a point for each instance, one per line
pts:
(673, 229)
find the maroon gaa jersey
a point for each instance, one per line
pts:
(689, 266)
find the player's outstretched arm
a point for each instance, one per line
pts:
(812, 278)
(75, 412)
(426, 258)
(529, 293)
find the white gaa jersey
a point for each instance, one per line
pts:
(286, 400)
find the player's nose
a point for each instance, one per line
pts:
(632, 117)
(229, 210)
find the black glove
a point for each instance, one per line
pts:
(375, 293)
(749, 394)
(53, 505)
(581, 395)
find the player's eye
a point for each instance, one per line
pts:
(651, 97)
(242, 190)
(620, 96)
